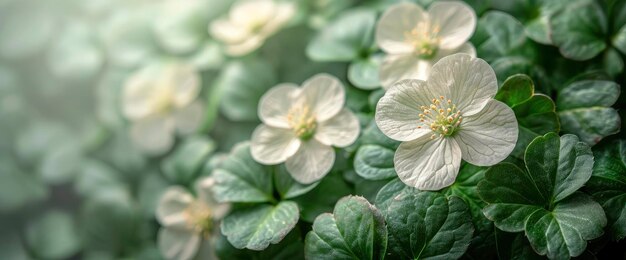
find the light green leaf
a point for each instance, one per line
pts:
(607, 185)
(426, 225)
(516, 89)
(363, 73)
(259, 226)
(344, 39)
(184, 164)
(241, 179)
(579, 30)
(53, 236)
(355, 230)
(374, 162)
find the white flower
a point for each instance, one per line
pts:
(451, 116)
(301, 125)
(249, 23)
(188, 221)
(415, 39)
(160, 100)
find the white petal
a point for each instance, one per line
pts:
(394, 23)
(275, 104)
(470, 82)
(403, 66)
(325, 95)
(488, 137)
(171, 209)
(153, 135)
(227, 32)
(456, 21)
(428, 164)
(247, 46)
(251, 13)
(340, 130)
(311, 162)
(185, 82)
(397, 112)
(270, 145)
(188, 119)
(204, 188)
(178, 244)
(283, 13)
(139, 93)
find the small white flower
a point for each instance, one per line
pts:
(300, 126)
(188, 221)
(415, 39)
(160, 100)
(249, 23)
(451, 116)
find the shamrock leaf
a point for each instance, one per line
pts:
(258, 226)
(355, 230)
(543, 201)
(187, 160)
(535, 113)
(424, 224)
(374, 158)
(584, 109)
(579, 30)
(608, 185)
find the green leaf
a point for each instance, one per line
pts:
(259, 226)
(584, 109)
(363, 73)
(426, 224)
(498, 34)
(516, 89)
(387, 193)
(241, 179)
(53, 235)
(544, 202)
(186, 161)
(607, 185)
(579, 30)
(345, 38)
(286, 186)
(612, 62)
(372, 135)
(243, 83)
(619, 27)
(61, 164)
(323, 197)
(291, 247)
(18, 189)
(374, 162)
(355, 230)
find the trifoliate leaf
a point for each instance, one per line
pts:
(579, 30)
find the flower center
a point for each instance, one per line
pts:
(163, 100)
(199, 217)
(302, 121)
(424, 39)
(441, 116)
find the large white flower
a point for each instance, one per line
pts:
(249, 23)
(160, 100)
(300, 126)
(415, 39)
(450, 117)
(188, 221)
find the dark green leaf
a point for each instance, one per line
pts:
(516, 89)
(53, 236)
(355, 230)
(286, 186)
(323, 197)
(374, 162)
(579, 30)
(498, 34)
(588, 93)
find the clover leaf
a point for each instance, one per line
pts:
(543, 200)
(584, 109)
(608, 185)
(355, 230)
(374, 158)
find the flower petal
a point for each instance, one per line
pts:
(397, 112)
(466, 48)
(251, 13)
(428, 164)
(139, 93)
(248, 45)
(204, 191)
(311, 162)
(272, 145)
(283, 13)
(178, 244)
(154, 135)
(488, 137)
(403, 66)
(227, 32)
(188, 119)
(340, 130)
(275, 104)
(394, 23)
(171, 209)
(185, 82)
(325, 95)
(456, 21)
(470, 82)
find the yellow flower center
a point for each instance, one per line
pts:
(441, 116)
(199, 217)
(302, 121)
(163, 101)
(424, 39)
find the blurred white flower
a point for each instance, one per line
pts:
(300, 126)
(415, 39)
(188, 221)
(159, 100)
(451, 116)
(249, 23)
